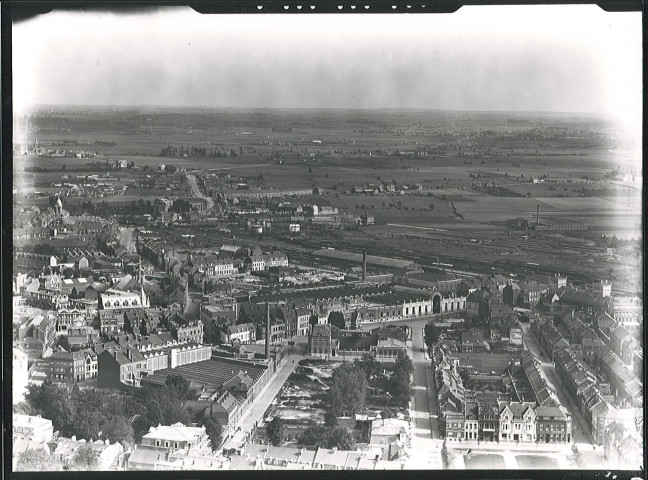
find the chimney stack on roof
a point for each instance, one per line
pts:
(364, 265)
(267, 339)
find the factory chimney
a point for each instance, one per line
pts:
(364, 265)
(267, 338)
(538, 216)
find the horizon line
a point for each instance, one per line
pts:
(365, 109)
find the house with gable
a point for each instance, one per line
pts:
(517, 422)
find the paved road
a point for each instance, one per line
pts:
(427, 452)
(580, 431)
(255, 413)
(426, 444)
(193, 184)
(126, 239)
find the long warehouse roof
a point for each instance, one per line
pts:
(357, 257)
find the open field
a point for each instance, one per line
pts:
(456, 157)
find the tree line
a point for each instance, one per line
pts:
(200, 152)
(114, 415)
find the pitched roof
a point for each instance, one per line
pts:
(550, 411)
(388, 426)
(518, 409)
(148, 456)
(213, 372)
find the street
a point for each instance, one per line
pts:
(193, 184)
(580, 431)
(126, 239)
(424, 406)
(255, 412)
(426, 443)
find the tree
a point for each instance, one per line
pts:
(87, 424)
(388, 413)
(172, 409)
(430, 334)
(24, 408)
(35, 461)
(403, 364)
(337, 319)
(348, 394)
(370, 365)
(118, 429)
(86, 458)
(127, 405)
(275, 431)
(214, 431)
(141, 426)
(330, 419)
(313, 320)
(180, 206)
(401, 383)
(313, 436)
(55, 402)
(179, 384)
(36, 398)
(341, 438)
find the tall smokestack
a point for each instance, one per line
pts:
(364, 265)
(267, 339)
(538, 215)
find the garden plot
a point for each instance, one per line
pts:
(302, 398)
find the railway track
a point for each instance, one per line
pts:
(448, 262)
(302, 251)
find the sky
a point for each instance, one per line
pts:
(558, 58)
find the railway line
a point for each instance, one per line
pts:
(456, 263)
(301, 251)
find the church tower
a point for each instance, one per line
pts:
(58, 207)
